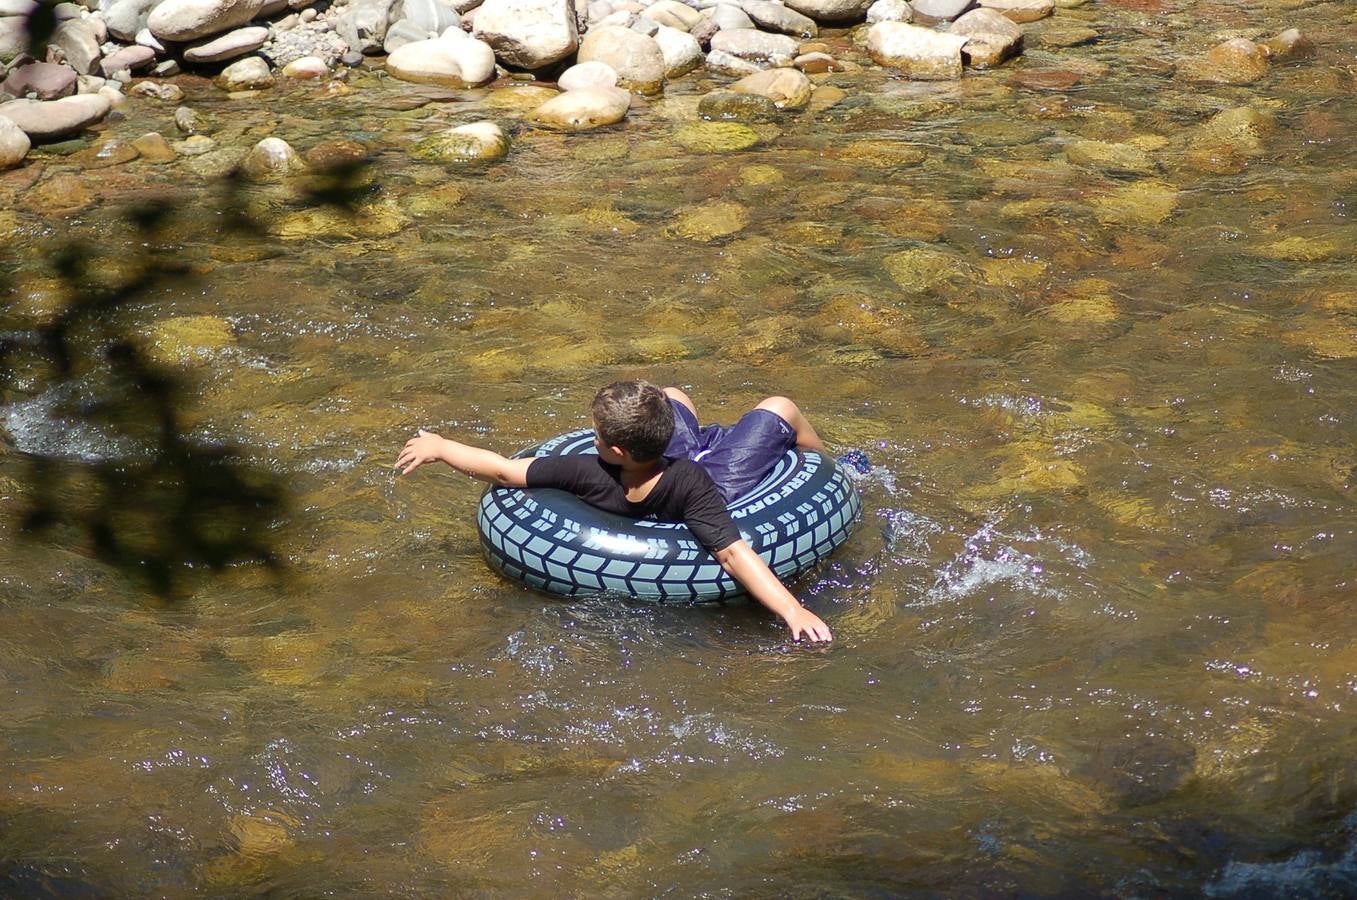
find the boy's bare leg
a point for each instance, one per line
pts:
(674, 393)
(806, 438)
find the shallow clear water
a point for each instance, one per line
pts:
(1093, 634)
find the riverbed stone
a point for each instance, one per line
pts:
(60, 195)
(1140, 203)
(737, 107)
(45, 80)
(716, 137)
(1236, 61)
(587, 75)
(363, 24)
(729, 17)
(681, 51)
(758, 47)
(127, 59)
(432, 16)
(889, 11)
(77, 42)
(272, 158)
(447, 60)
(1061, 37)
(583, 109)
(724, 63)
(1021, 11)
(306, 68)
(124, 18)
(47, 120)
(13, 37)
(777, 17)
(231, 45)
(194, 145)
(635, 58)
(154, 148)
(711, 220)
(189, 20)
(14, 144)
(528, 34)
(108, 152)
(477, 142)
(1225, 143)
(520, 98)
(786, 87)
(1290, 44)
(932, 12)
(920, 53)
(674, 14)
(1116, 159)
(248, 74)
(831, 11)
(991, 38)
(925, 270)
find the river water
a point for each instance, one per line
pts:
(1093, 635)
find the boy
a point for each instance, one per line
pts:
(654, 460)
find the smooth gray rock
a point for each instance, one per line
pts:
(45, 120)
(930, 12)
(47, 81)
(78, 43)
(831, 10)
(433, 16)
(13, 37)
(404, 32)
(528, 34)
(271, 158)
(14, 144)
(587, 75)
(189, 20)
(724, 63)
(758, 47)
(776, 17)
(364, 23)
(919, 53)
(889, 11)
(729, 17)
(447, 60)
(681, 51)
(232, 45)
(248, 74)
(144, 38)
(635, 58)
(129, 59)
(125, 18)
(674, 14)
(991, 37)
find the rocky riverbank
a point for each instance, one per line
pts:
(590, 62)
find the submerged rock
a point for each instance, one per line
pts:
(1111, 158)
(1236, 61)
(153, 148)
(249, 74)
(478, 142)
(787, 88)
(920, 53)
(737, 107)
(584, 108)
(716, 137)
(711, 220)
(271, 158)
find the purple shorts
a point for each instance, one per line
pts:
(738, 456)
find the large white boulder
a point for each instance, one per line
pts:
(124, 18)
(889, 11)
(447, 60)
(188, 20)
(587, 75)
(635, 58)
(528, 34)
(920, 53)
(990, 36)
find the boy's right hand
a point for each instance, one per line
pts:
(803, 621)
(423, 448)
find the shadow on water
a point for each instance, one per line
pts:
(118, 472)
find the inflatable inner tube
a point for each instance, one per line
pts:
(552, 540)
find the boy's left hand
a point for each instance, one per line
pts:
(803, 621)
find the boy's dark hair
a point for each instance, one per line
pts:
(634, 415)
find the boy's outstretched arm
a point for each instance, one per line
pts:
(486, 465)
(748, 568)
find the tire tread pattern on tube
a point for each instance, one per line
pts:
(554, 541)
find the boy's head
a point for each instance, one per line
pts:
(635, 416)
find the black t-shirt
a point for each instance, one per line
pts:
(685, 493)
